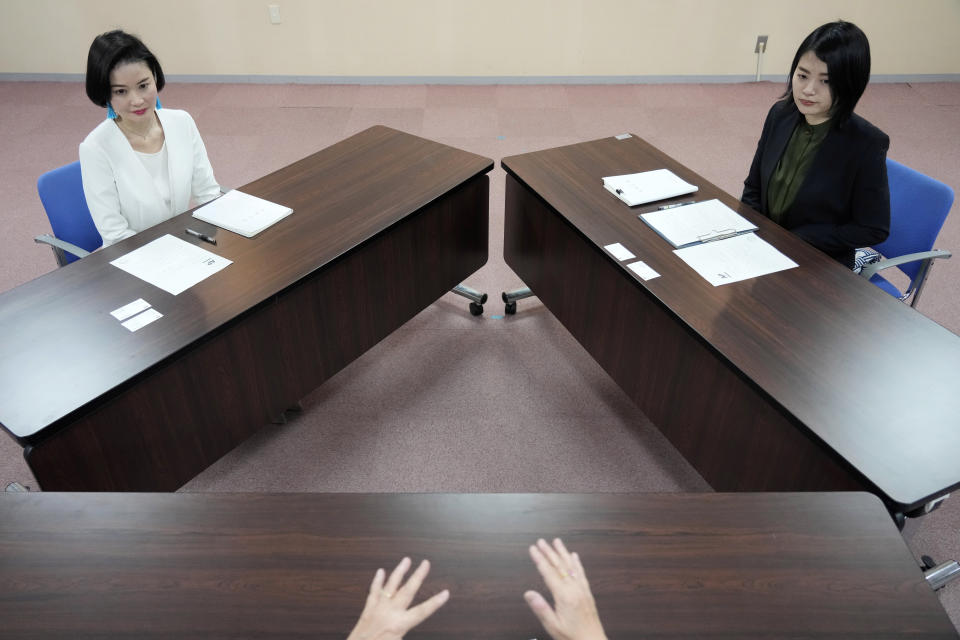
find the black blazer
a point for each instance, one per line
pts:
(844, 201)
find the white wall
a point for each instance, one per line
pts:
(497, 38)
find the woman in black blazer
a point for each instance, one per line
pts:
(820, 170)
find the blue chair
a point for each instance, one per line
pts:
(918, 207)
(74, 234)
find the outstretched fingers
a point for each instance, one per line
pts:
(386, 614)
(407, 592)
(546, 568)
(543, 611)
(419, 613)
(573, 615)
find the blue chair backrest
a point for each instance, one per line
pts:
(918, 207)
(61, 192)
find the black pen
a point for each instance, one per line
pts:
(676, 204)
(202, 236)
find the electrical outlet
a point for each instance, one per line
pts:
(274, 13)
(761, 45)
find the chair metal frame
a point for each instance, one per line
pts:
(66, 177)
(926, 258)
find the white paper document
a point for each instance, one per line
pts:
(242, 213)
(695, 223)
(643, 270)
(734, 259)
(619, 251)
(648, 186)
(142, 320)
(131, 309)
(171, 264)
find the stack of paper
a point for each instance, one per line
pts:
(735, 259)
(242, 213)
(649, 186)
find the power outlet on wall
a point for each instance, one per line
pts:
(761, 45)
(274, 10)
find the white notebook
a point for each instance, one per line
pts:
(242, 213)
(649, 186)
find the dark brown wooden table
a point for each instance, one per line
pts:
(83, 565)
(806, 379)
(384, 223)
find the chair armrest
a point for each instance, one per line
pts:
(73, 249)
(870, 270)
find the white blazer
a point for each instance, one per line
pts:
(120, 192)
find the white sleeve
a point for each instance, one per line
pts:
(204, 187)
(100, 190)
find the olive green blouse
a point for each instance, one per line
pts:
(793, 166)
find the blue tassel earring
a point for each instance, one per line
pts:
(110, 112)
(159, 106)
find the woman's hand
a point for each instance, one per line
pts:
(387, 614)
(575, 614)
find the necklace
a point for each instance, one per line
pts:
(131, 132)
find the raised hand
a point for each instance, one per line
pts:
(574, 614)
(387, 614)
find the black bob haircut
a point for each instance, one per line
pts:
(846, 51)
(110, 50)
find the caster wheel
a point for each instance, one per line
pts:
(476, 309)
(510, 309)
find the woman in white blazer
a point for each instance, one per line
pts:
(143, 164)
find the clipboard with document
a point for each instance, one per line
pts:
(697, 223)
